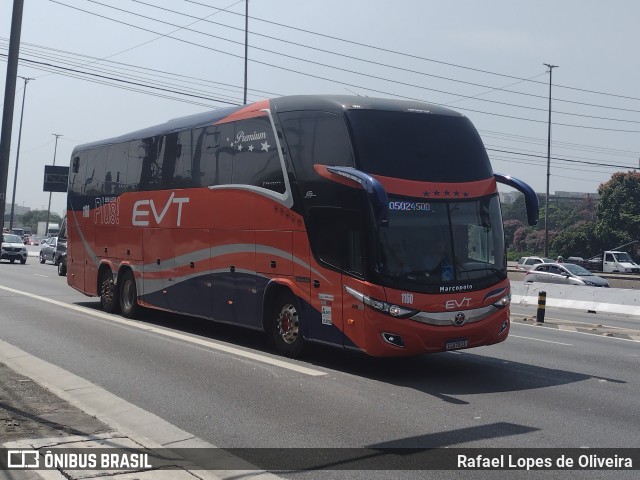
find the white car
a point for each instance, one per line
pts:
(526, 263)
(13, 249)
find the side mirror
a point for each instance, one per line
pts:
(530, 197)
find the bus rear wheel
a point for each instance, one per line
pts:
(129, 295)
(286, 328)
(108, 292)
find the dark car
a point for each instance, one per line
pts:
(564, 274)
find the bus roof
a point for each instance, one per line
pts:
(330, 103)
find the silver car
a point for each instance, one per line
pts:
(564, 274)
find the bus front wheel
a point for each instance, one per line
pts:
(286, 328)
(108, 292)
(129, 295)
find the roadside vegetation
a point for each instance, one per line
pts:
(579, 227)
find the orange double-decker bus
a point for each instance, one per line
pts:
(361, 223)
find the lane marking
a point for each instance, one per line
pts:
(143, 427)
(590, 324)
(596, 335)
(545, 341)
(39, 275)
(167, 333)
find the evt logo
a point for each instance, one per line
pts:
(142, 209)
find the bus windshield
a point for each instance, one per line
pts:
(418, 146)
(429, 245)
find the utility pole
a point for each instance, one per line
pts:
(55, 148)
(246, 46)
(546, 201)
(15, 175)
(9, 100)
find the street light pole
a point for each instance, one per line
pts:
(546, 201)
(246, 46)
(55, 148)
(15, 176)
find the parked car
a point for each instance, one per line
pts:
(48, 250)
(525, 263)
(13, 249)
(564, 274)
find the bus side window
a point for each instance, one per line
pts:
(117, 167)
(336, 236)
(96, 171)
(151, 150)
(216, 155)
(187, 171)
(76, 180)
(256, 161)
(316, 138)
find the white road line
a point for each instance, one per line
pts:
(545, 341)
(145, 428)
(38, 275)
(596, 335)
(167, 333)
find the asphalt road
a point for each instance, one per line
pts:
(544, 387)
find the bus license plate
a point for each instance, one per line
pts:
(456, 344)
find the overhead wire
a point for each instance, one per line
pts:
(610, 151)
(332, 80)
(413, 56)
(347, 70)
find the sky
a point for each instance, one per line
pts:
(104, 68)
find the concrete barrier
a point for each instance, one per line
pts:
(611, 300)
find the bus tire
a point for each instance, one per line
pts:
(108, 291)
(286, 326)
(129, 295)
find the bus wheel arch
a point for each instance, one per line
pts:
(128, 293)
(107, 289)
(283, 319)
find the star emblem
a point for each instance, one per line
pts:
(265, 146)
(426, 194)
(436, 193)
(240, 147)
(250, 148)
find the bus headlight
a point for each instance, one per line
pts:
(504, 301)
(379, 305)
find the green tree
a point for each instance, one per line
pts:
(578, 241)
(32, 217)
(618, 213)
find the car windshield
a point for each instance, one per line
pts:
(433, 245)
(577, 270)
(11, 239)
(624, 257)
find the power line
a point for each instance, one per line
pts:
(564, 159)
(282, 68)
(346, 70)
(417, 57)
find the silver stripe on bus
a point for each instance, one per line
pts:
(448, 318)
